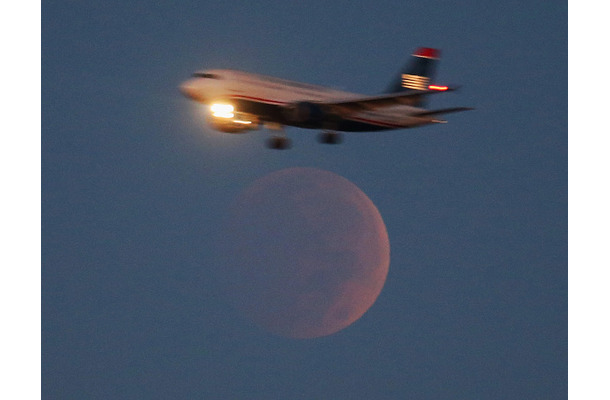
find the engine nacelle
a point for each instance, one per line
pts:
(237, 123)
(306, 114)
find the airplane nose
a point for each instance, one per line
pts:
(188, 89)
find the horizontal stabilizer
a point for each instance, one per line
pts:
(429, 113)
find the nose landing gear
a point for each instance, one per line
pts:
(279, 143)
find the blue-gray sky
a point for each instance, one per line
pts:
(135, 187)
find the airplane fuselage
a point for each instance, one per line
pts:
(276, 101)
(240, 101)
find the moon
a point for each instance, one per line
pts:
(306, 253)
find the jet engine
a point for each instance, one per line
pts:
(231, 125)
(224, 118)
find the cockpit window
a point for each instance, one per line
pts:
(205, 75)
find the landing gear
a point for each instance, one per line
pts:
(330, 137)
(279, 143)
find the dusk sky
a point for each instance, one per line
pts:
(135, 189)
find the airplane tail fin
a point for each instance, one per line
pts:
(416, 74)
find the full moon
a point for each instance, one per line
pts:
(306, 253)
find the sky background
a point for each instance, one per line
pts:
(135, 188)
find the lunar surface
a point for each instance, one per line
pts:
(306, 253)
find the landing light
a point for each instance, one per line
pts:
(222, 110)
(439, 88)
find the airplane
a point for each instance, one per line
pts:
(239, 102)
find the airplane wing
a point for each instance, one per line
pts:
(381, 101)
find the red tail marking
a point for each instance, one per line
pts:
(427, 52)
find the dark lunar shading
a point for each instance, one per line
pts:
(307, 253)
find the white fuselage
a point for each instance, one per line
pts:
(254, 92)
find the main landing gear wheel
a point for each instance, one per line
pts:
(279, 143)
(329, 137)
